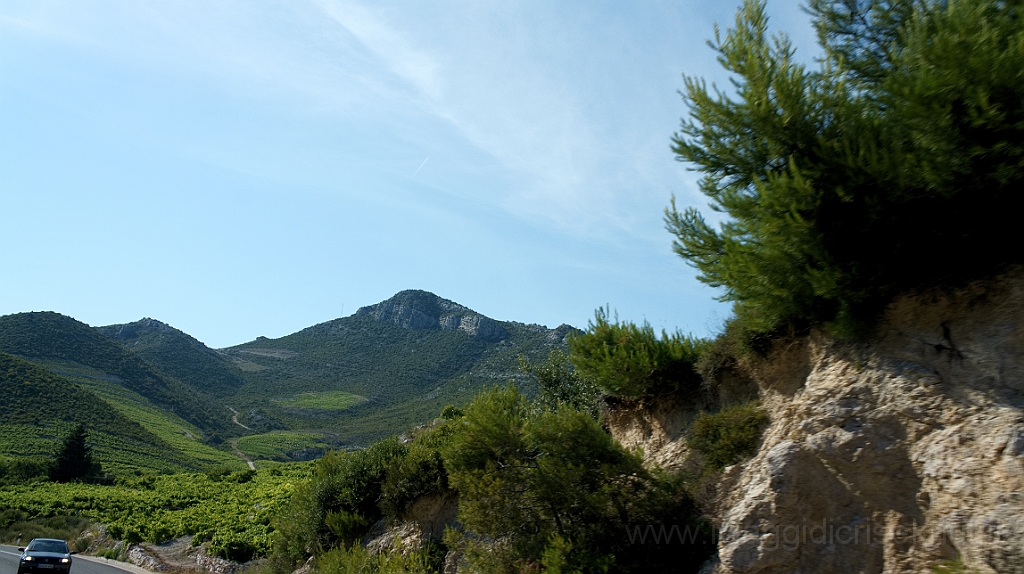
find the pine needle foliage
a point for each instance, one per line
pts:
(626, 359)
(559, 384)
(890, 167)
(74, 460)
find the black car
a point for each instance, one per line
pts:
(45, 555)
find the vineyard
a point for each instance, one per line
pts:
(175, 431)
(232, 512)
(279, 445)
(189, 453)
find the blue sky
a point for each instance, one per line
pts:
(238, 169)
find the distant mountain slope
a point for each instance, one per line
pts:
(344, 382)
(39, 407)
(408, 356)
(177, 354)
(47, 336)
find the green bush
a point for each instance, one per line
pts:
(337, 505)
(219, 472)
(24, 469)
(109, 553)
(451, 412)
(728, 436)
(419, 473)
(357, 560)
(629, 360)
(15, 524)
(558, 383)
(552, 487)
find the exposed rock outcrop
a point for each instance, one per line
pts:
(657, 427)
(416, 310)
(425, 520)
(896, 455)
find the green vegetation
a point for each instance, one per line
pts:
(15, 525)
(629, 360)
(728, 436)
(553, 486)
(952, 567)
(893, 166)
(178, 354)
(336, 507)
(278, 445)
(327, 401)
(405, 375)
(127, 433)
(536, 487)
(40, 407)
(42, 337)
(559, 384)
(33, 396)
(357, 560)
(421, 472)
(233, 516)
(74, 459)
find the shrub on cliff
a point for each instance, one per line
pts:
(625, 359)
(728, 436)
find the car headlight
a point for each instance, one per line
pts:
(28, 559)
(65, 560)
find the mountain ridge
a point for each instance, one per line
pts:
(344, 382)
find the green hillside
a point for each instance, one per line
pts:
(180, 434)
(47, 336)
(408, 357)
(39, 408)
(342, 383)
(178, 355)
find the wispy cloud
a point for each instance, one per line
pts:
(483, 77)
(395, 49)
(509, 80)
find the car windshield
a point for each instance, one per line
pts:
(55, 546)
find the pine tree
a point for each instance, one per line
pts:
(894, 166)
(74, 461)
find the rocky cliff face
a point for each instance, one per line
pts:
(417, 310)
(897, 455)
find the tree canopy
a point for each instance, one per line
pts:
(74, 460)
(890, 167)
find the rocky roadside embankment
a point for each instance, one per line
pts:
(896, 455)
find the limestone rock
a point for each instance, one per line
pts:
(418, 310)
(895, 455)
(891, 456)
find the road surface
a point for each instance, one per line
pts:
(79, 564)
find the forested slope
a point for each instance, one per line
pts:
(51, 338)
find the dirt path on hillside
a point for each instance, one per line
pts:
(234, 418)
(234, 441)
(240, 454)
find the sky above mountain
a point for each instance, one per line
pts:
(240, 169)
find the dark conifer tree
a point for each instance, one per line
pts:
(74, 461)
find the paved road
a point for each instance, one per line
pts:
(79, 564)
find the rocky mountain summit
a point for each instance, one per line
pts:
(417, 310)
(144, 326)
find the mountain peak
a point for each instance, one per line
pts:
(416, 310)
(139, 328)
